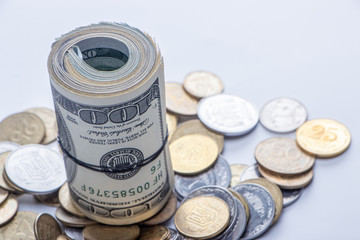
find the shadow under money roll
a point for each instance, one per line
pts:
(107, 82)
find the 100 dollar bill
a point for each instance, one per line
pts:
(108, 88)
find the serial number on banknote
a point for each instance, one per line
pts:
(157, 176)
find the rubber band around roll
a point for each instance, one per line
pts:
(114, 169)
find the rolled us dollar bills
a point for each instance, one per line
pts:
(107, 82)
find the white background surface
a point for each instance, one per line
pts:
(308, 50)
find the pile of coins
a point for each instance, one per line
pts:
(222, 201)
(212, 199)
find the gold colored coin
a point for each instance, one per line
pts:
(193, 154)
(11, 184)
(22, 128)
(323, 137)
(21, 227)
(275, 192)
(8, 209)
(66, 201)
(287, 181)
(243, 202)
(3, 183)
(165, 213)
(51, 199)
(46, 227)
(202, 84)
(236, 171)
(71, 220)
(62, 237)
(179, 101)
(154, 233)
(282, 155)
(3, 195)
(171, 121)
(49, 119)
(103, 232)
(202, 217)
(195, 126)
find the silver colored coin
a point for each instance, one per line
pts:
(250, 172)
(228, 114)
(175, 235)
(240, 224)
(222, 172)
(219, 175)
(283, 115)
(74, 233)
(8, 146)
(186, 184)
(227, 197)
(291, 196)
(262, 209)
(35, 169)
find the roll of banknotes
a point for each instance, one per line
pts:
(107, 82)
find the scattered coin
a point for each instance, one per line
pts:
(8, 210)
(227, 197)
(282, 155)
(22, 128)
(3, 182)
(172, 121)
(104, 232)
(49, 119)
(154, 233)
(219, 175)
(63, 237)
(165, 214)
(3, 195)
(275, 192)
(262, 209)
(35, 169)
(323, 137)
(203, 84)
(66, 201)
(240, 223)
(178, 100)
(290, 196)
(12, 185)
(51, 199)
(250, 172)
(287, 181)
(46, 227)
(192, 154)
(236, 171)
(228, 114)
(20, 227)
(74, 233)
(243, 202)
(195, 126)
(72, 220)
(283, 115)
(8, 146)
(174, 235)
(202, 217)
